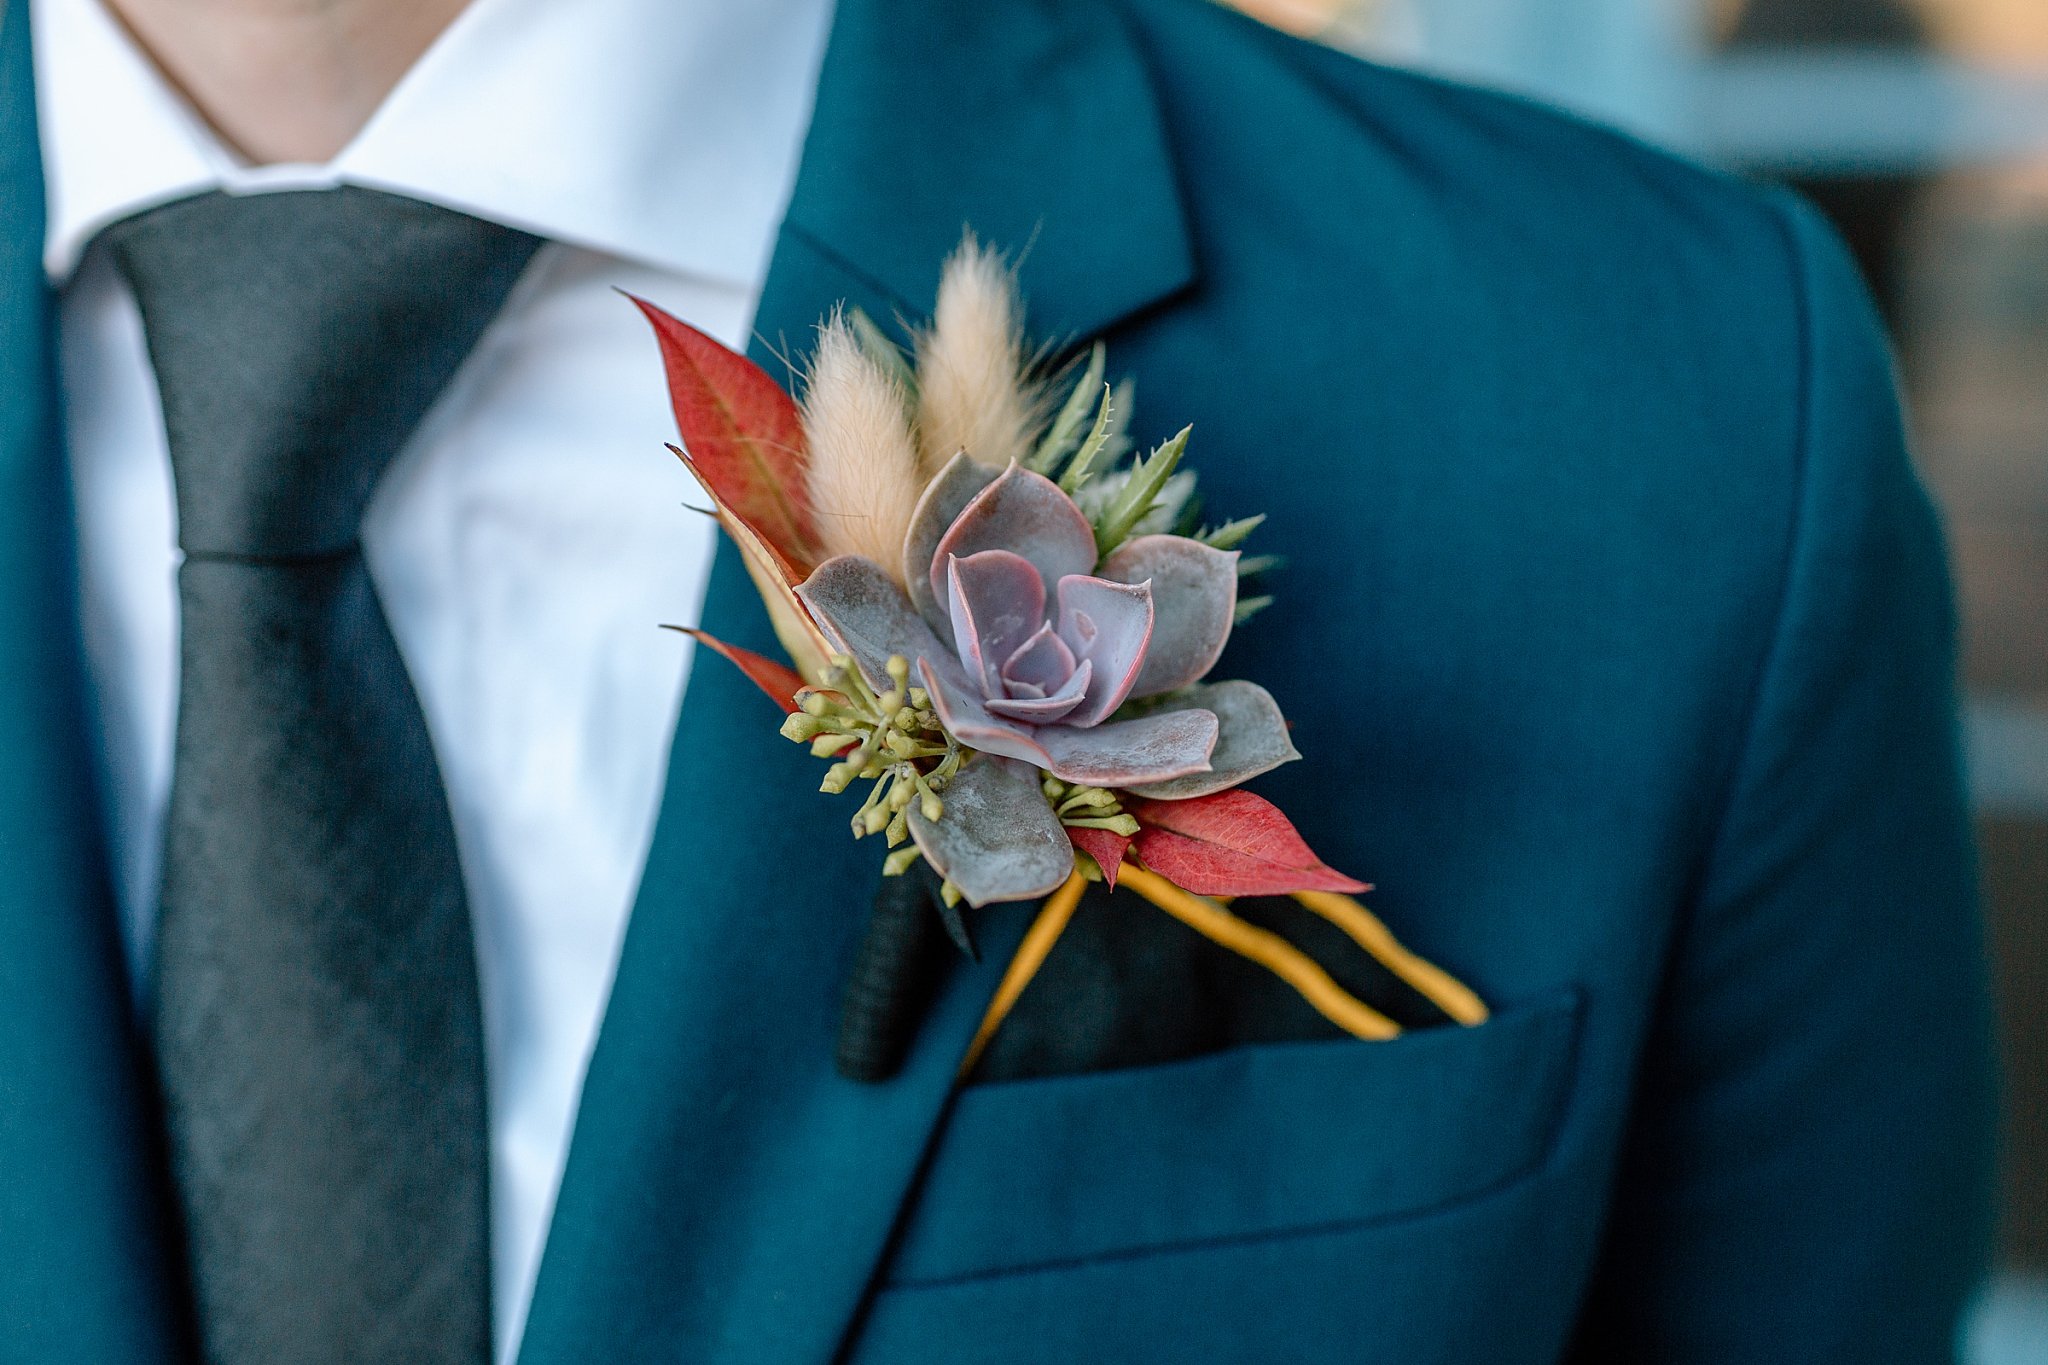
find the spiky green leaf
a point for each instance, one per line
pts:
(1063, 437)
(1173, 510)
(1148, 477)
(1169, 506)
(1086, 458)
(1257, 564)
(1116, 442)
(1231, 534)
(1248, 607)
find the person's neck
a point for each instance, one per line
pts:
(286, 80)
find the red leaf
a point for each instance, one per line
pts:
(775, 579)
(779, 681)
(1105, 846)
(1231, 843)
(744, 437)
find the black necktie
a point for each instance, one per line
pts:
(317, 1022)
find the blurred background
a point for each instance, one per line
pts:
(1921, 128)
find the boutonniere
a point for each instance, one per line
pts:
(1001, 620)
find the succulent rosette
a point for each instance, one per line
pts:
(1031, 650)
(995, 618)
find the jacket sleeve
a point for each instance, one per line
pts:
(1807, 1174)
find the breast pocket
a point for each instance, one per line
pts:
(1254, 1141)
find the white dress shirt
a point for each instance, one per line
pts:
(532, 537)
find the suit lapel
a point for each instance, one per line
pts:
(728, 1196)
(84, 1269)
(1032, 122)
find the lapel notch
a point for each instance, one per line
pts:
(1032, 123)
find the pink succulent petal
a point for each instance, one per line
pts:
(960, 710)
(944, 498)
(997, 601)
(1040, 666)
(1046, 710)
(1194, 597)
(1126, 753)
(1033, 710)
(1108, 624)
(864, 614)
(1026, 514)
(998, 839)
(1251, 739)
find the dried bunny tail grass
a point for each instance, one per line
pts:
(863, 481)
(973, 390)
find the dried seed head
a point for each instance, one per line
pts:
(973, 393)
(864, 480)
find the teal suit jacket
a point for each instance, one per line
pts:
(1617, 636)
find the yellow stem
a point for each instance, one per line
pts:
(1208, 918)
(1269, 950)
(1449, 994)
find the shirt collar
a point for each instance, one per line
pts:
(663, 131)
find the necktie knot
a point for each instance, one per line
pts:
(298, 338)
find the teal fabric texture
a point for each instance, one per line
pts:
(1617, 636)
